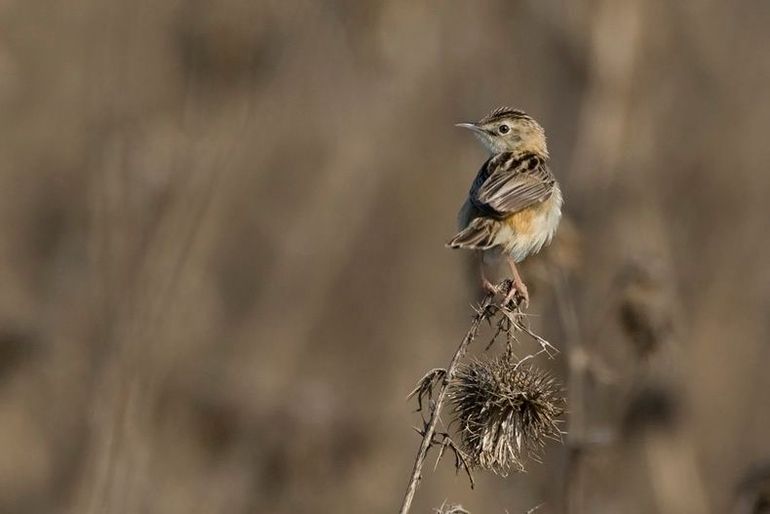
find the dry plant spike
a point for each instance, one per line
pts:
(512, 320)
(502, 420)
(503, 326)
(444, 441)
(424, 388)
(516, 319)
(450, 509)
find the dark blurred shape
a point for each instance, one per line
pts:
(16, 347)
(646, 308)
(224, 47)
(753, 492)
(654, 408)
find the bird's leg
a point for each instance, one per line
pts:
(485, 283)
(518, 285)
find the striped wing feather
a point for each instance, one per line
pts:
(479, 235)
(513, 184)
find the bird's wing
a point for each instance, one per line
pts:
(512, 184)
(478, 235)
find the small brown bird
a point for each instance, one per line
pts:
(514, 204)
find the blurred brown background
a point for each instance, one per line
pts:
(222, 264)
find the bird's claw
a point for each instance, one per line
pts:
(511, 289)
(489, 287)
(520, 289)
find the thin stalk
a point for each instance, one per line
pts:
(481, 314)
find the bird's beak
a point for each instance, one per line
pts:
(470, 126)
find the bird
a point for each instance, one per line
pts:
(514, 204)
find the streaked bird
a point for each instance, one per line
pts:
(514, 204)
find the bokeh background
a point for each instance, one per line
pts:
(222, 264)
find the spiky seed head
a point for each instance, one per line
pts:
(505, 412)
(509, 130)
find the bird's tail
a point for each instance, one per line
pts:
(478, 235)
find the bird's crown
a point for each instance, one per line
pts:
(504, 112)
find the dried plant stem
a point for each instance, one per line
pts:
(482, 313)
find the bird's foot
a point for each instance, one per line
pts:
(517, 287)
(489, 287)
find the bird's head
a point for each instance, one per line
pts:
(509, 130)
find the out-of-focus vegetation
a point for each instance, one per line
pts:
(222, 263)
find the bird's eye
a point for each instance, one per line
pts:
(504, 129)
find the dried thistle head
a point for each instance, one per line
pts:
(505, 412)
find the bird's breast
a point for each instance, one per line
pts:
(527, 231)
